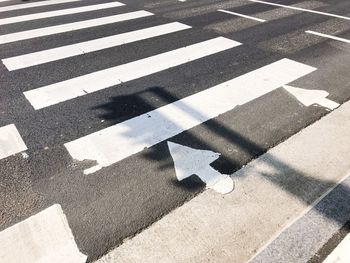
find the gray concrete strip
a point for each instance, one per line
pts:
(271, 193)
(303, 239)
(331, 244)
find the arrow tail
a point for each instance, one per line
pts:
(329, 104)
(221, 183)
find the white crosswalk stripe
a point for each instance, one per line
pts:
(11, 141)
(46, 31)
(122, 140)
(49, 55)
(47, 234)
(35, 4)
(328, 36)
(241, 15)
(69, 11)
(80, 86)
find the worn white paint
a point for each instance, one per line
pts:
(34, 4)
(42, 238)
(80, 86)
(46, 31)
(189, 161)
(309, 97)
(241, 15)
(10, 141)
(68, 11)
(301, 9)
(328, 36)
(117, 142)
(341, 253)
(58, 53)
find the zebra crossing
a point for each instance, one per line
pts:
(70, 11)
(34, 33)
(69, 89)
(91, 53)
(81, 48)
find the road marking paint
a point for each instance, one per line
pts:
(46, 31)
(69, 11)
(10, 141)
(234, 25)
(301, 9)
(328, 36)
(341, 253)
(310, 97)
(35, 4)
(80, 86)
(189, 161)
(44, 237)
(245, 16)
(49, 55)
(196, 10)
(122, 140)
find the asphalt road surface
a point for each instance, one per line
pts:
(86, 124)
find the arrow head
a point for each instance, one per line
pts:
(189, 161)
(309, 97)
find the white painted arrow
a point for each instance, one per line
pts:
(189, 161)
(309, 97)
